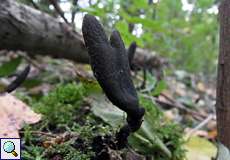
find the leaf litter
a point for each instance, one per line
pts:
(14, 115)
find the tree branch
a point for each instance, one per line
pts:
(27, 29)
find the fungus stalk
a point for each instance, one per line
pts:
(110, 64)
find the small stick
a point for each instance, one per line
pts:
(199, 126)
(41, 133)
(59, 10)
(171, 105)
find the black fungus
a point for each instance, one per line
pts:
(18, 81)
(110, 64)
(131, 53)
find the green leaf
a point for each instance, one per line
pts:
(151, 82)
(151, 24)
(151, 140)
(161, 85)
(94, 11)
(122, 26)
(204, 3)
(141, 3)
(9, 67)
(109, 113)
(127, 37)
(200, 149)
(92, 87)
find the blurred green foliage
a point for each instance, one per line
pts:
(185, 31)
(189, 37)
(8, 68)
(156, 137)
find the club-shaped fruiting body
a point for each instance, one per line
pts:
(19, 80)
(110, 64)
(131, 52)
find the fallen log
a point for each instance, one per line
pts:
(28, 29)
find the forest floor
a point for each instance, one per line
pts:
(79, 123)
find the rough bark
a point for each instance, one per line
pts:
(27, 29)
(223, 80)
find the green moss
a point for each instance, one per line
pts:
(61, 106)
(33, 153)
(67, 152)
(63, 111)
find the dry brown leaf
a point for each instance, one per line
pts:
(171, 114)
(212, 134)
(201, 87)
(211, 125)
(13, 115)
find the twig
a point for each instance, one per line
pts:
(35, 5)
(59, 10)
(182, 107)
(199, 126)
(27, 58)
(74, 11)
(169, 105)
(41, 133)
(51, 134)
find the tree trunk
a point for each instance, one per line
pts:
(27, 29)
(223, 80)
